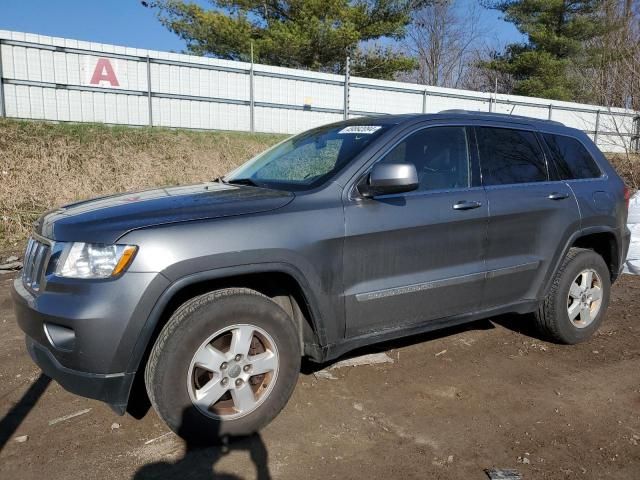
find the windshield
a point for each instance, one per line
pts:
(306, 160)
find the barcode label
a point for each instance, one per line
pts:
(366, 129)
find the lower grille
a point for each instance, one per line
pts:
(36, 258)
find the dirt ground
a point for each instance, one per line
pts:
(452, 404)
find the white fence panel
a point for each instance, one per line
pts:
(280, 120)
(298, 91)
(437, 103)
(69, 80)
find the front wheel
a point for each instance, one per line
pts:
(578, 298)
(226, 363)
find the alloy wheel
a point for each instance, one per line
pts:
(233, 372)
(584, 298)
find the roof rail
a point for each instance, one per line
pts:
(500, 115)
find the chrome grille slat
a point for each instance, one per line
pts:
(28, 258)
(35, 262)
(32, 265)
(37, 266)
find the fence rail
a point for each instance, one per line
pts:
(68, 80)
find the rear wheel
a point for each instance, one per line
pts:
(578, 298)
(225, 364)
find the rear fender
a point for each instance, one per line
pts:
(575, 237)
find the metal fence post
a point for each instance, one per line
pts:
(149, 91)
(425, 94)
(550, 111)
(346, 87)
(595, 133)
(3, 112)
(495, 98)
(252, 103)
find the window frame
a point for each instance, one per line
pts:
(541, 146)
(474, 167)
(552, 160)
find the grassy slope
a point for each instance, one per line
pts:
(44, 165)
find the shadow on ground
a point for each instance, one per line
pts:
(12, 420)
(523, 324)
(199, 461)
(309, 367)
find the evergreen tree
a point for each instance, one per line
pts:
(312, 34)
(558, 33)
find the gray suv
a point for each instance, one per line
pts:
(203, 299)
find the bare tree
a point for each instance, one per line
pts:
(614, 78)
(614, 82)
(482, 79)
(446, 40)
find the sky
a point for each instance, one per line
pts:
(128, 23)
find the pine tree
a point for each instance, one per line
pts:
(312, 34)
(557, 32)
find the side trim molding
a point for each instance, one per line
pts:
(498, 272)
(445, 282)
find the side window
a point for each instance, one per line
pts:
(510, 156)
(571, 158)
(440, 155)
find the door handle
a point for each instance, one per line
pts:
(466, 205)
(558, 196)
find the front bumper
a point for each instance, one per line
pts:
(110, 388)
(83, 334)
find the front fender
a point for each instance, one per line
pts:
(317, 307)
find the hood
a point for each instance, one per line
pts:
(105, 219)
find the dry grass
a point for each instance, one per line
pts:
(44, 165)
(628, 166)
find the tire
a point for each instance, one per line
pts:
(175, 379)
(554, 314)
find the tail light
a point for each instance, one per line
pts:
(627, 196)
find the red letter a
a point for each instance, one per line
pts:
(104, 71)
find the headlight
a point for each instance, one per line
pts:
(88, 260)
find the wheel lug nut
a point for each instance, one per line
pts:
(238, 357)
(223, 366)
(238, 382)
(246, 368)
(224, 381)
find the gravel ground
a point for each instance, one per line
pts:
(452, 404)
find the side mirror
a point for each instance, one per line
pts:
(389, 178)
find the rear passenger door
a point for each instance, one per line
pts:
(531, 215)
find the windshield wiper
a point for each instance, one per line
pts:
(242, 181)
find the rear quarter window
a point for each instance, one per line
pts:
(571, 158)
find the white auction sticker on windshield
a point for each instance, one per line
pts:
(366, 129)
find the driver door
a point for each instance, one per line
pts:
(416, 257)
